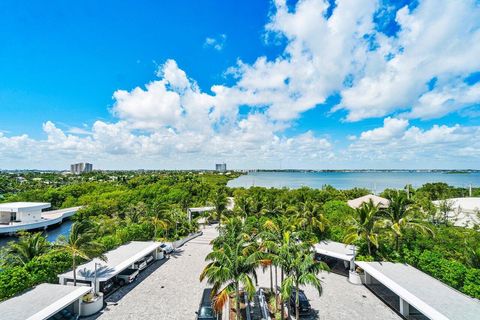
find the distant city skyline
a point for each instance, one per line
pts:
(309, 84)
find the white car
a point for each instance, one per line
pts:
(167, 247)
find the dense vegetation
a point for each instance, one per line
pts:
(118, 206)
(410, 230)
(125, 206)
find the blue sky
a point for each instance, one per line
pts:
(308, 84)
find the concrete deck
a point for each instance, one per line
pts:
(171, 291)
(340, 299)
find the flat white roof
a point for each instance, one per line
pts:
(378, 201)
(336, 250)
(468, 204)
(41, 302)
(14, 206)
(117, 260)
(431, 297)
(464, 211)
(201, 209)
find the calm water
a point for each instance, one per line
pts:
(375, 181)
(52, 233)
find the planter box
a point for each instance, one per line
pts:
(92, 307)
(356, 278)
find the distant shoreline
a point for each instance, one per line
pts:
(448, 171)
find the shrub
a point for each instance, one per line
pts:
(472, 283)
(14, 280)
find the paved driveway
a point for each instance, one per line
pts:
(171, 291)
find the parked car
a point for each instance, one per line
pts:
(304, 307)
(107, 286)
(167, 247)
(140, 265)
(127, 276)
(143, 262)
(205, 310)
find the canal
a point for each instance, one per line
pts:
(52, 233)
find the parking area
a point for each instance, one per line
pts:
(340, 300)
(169, 290)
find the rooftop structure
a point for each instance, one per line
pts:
(465, 211)
(25, 212)
(191, 211)
(378, 201)
(118, 260)
(418, 293)
(18, 216)
(43, 302)
(338, 256)
(336, 250)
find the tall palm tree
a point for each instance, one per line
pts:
(300, 267)
(231, 266)
(28, 246)
(220, 203)
(364, 225)
(401, 216)
(80, 244)
(159, 218)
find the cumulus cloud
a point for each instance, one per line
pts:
(216, 43)
(438, 40)
(397, 140)
(418, 73)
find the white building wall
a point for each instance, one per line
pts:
(26, 215)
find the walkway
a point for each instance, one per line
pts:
(171, 291)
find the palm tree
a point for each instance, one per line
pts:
(401, 216)
(29, 246)
(80, 243)
(232, 265)
(364, 225)
(300, 267)
(220, 203)
(158, 218)
(309, 216)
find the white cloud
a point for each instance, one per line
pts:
(172, 122)
(398, 141)
(392, 128)
(216, 43)
(441, 101)
(439, 39)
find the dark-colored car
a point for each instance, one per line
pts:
(205, 310)
(305, 307)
